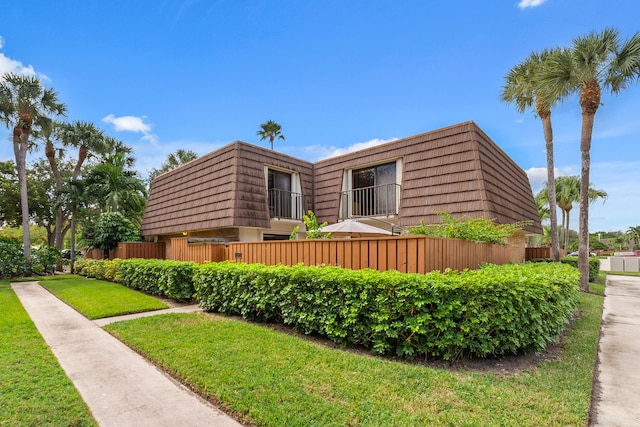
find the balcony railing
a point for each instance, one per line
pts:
(285, 204)
(379, 200)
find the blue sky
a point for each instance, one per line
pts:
(336, 74)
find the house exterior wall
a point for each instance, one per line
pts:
(225, 189)
(251, 208)
(196, 196)
(457, 169)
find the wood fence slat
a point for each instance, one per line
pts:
(412, 254)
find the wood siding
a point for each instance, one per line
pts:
(181, 250)
(225, 188)
(407, 254)
(148, 250)
(457, 169)
(196, 196)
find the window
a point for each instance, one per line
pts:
(285, 199)
(371, 191)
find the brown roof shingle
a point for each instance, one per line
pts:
(457, 169)
(225, 188)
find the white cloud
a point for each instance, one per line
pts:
(132, 124)
(325, 152)
(149, 137)
(538, 177)
(128, 123)
(9, 65)
(530, 3)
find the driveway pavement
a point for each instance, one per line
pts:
(616, 400)
(121, 388)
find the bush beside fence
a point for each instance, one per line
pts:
(480, 313)
(594, 266)
(172, 279)
(493, 311)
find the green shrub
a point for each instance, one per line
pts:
(81, 266)
(492, 311)
(110, 270)
(594, 266)
(478, 230)
(177, 281)
(141, 274)
(45, 259)
(12, 261)
(173, 279)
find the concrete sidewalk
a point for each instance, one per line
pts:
(121, 388)
(617, 395)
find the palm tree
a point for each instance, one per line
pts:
(568, 193)
(74, 195)
(620, 242)
(270, 130)
(594, 62)
(26, 106)
(84, 136)
(521, 89)
(174, 160)
(113, 146)
(634, 235)
(117, 188)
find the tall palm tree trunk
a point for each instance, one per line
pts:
(589, 101)
(567, 227)
(551, 183)
(583, 242)
(50, 153)
(20, 144)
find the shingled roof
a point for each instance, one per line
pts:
(457, 169)
(222, 189)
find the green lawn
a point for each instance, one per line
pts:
(97, 298)
(34, 390)
(275, 379)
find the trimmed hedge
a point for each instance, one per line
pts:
(159, 277)
(12, 260)
(172, 279)
(493, 311)
(102, 269)
(594, 266)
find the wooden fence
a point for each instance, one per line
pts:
(147, 250)
(182, 250)
(413, 254)
(409, 254)
(540, 253)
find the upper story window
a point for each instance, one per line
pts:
(284, 195)
(371, 191)
(278, 180)
(374, 176)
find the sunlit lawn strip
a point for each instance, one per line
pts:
(276, 379)
(34, 390)
(97, 299)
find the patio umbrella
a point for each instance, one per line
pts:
(355, 229)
